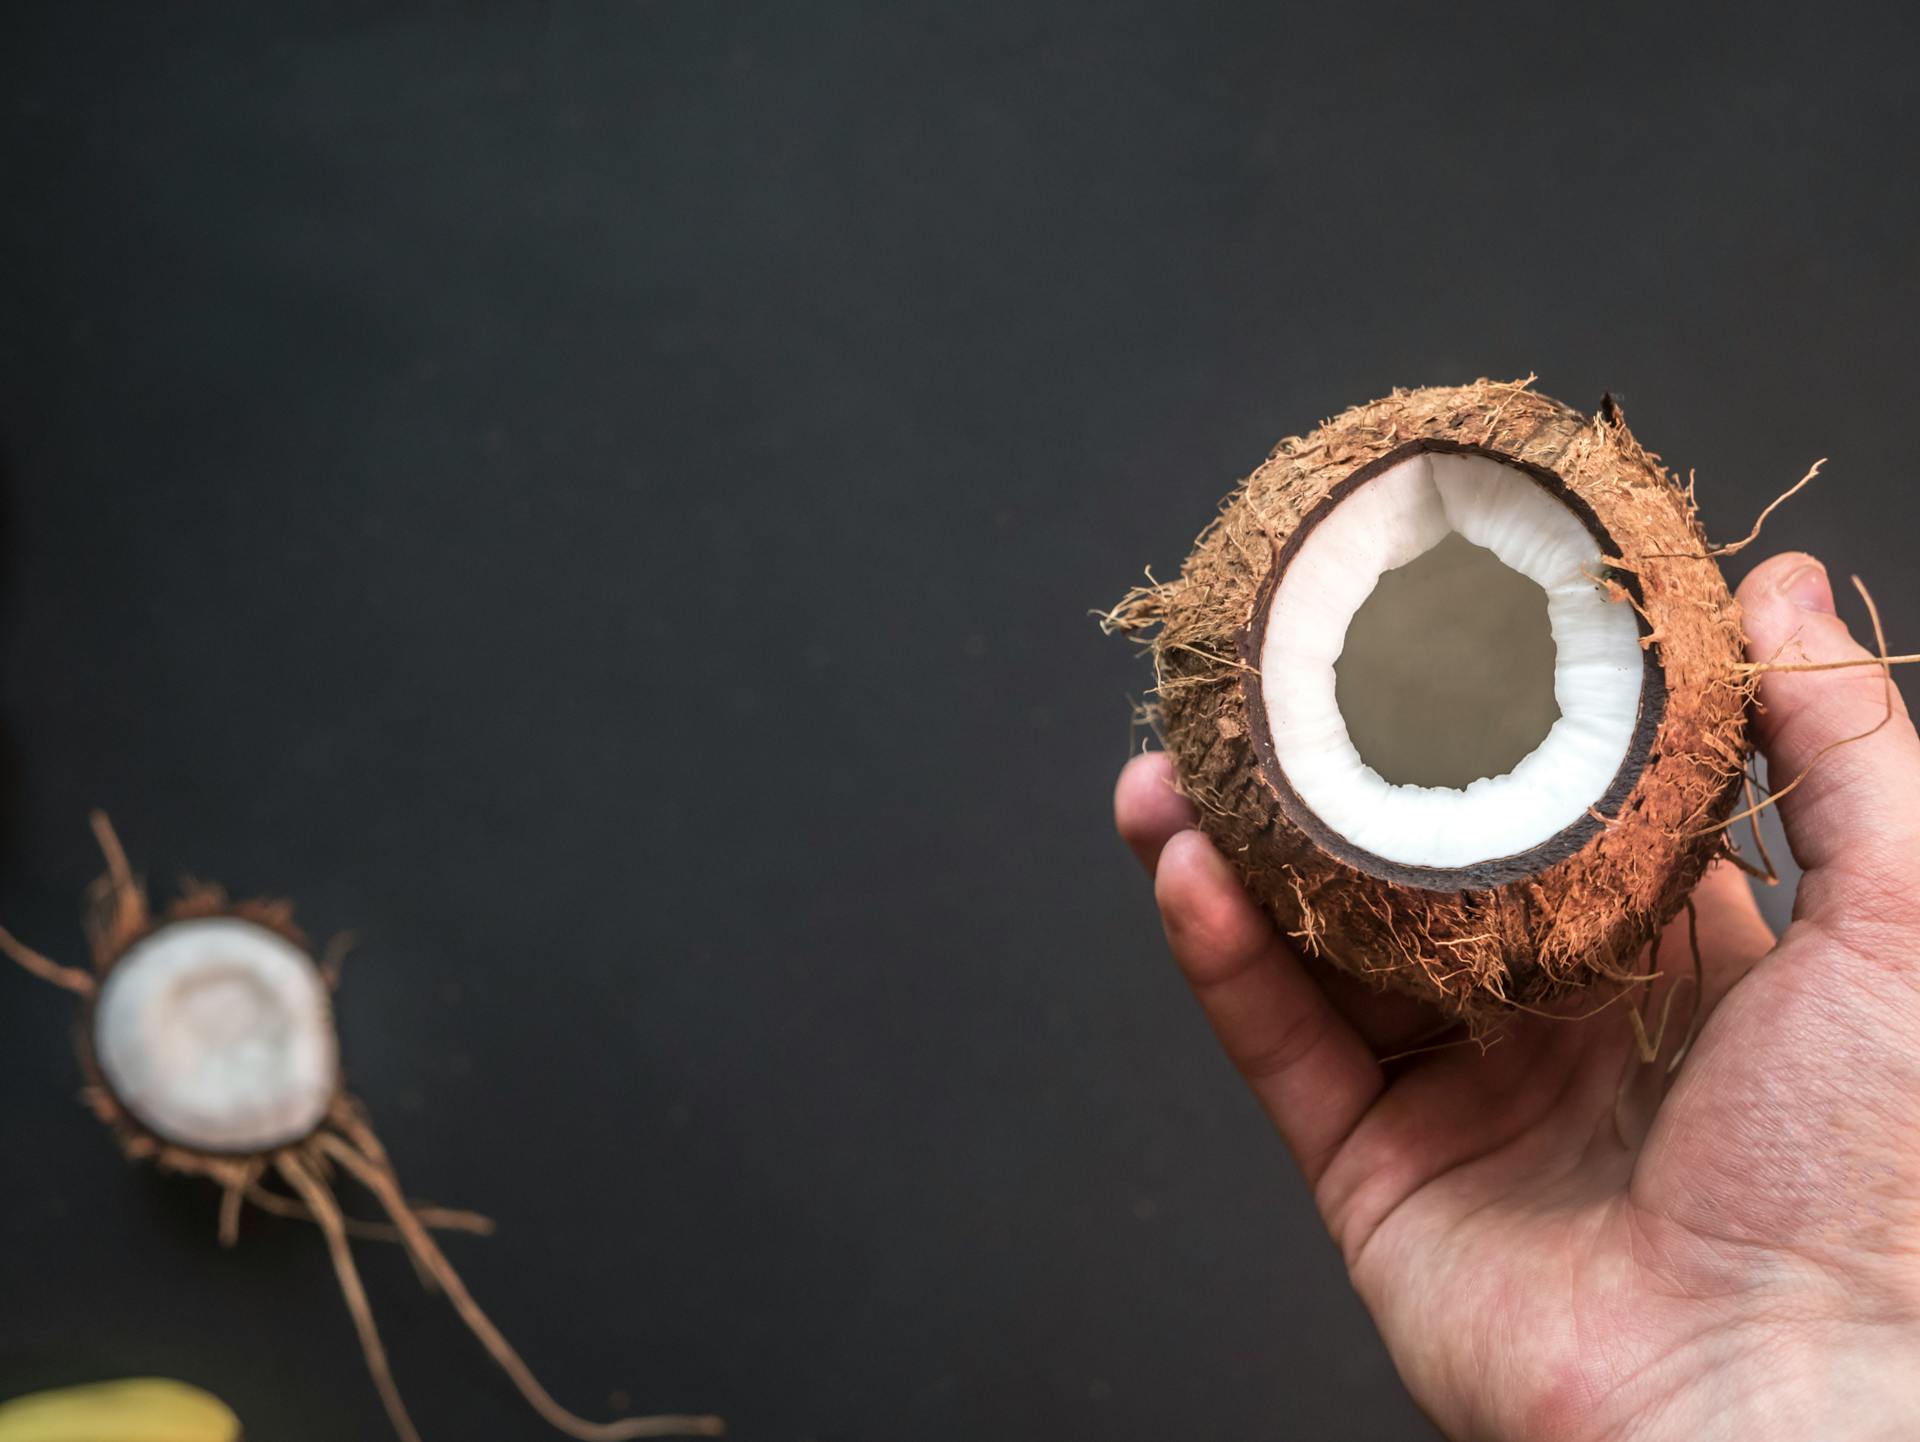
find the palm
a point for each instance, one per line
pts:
(1591, 1248)
(1515, 1203)
(1555, 1238)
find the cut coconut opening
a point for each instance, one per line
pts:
(217, 1034)
(1447, 671)
(1445, 690)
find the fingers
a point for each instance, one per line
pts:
(1856, 814)
(1308, 1068)
(1147, 810)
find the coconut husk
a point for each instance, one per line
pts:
(1513, 932)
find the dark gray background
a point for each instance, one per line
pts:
(604, 500)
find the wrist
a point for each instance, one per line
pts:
(1783, 1379)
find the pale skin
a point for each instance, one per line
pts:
(1548, 1259)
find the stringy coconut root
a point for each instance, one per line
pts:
(209, 1049)
(1478, 935)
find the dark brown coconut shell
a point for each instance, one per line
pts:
(1520, 930)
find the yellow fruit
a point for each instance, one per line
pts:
(139, 1409)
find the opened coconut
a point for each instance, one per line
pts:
(1456, 684)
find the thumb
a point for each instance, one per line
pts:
(1854, 820)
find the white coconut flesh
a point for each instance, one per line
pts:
(217, 1034)
(1593, 670)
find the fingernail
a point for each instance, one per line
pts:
(1807, 587)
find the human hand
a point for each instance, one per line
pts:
(1553, 1257)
